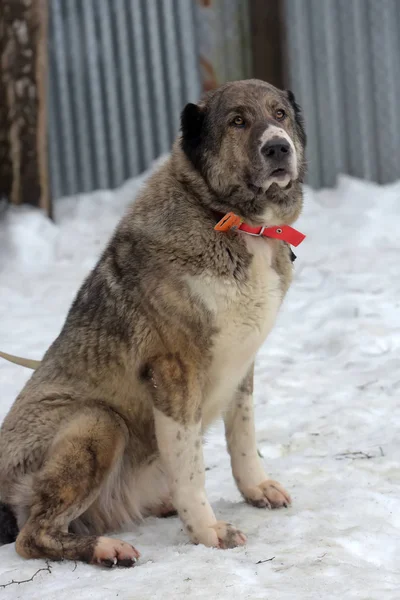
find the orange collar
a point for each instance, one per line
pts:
(231, 222)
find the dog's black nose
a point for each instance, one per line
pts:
(277, 148)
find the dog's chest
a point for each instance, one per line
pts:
(243, 315)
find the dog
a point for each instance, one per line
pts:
(160, 341)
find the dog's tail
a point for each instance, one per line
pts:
(8, 525)
(22, 362)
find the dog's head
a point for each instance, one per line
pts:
(247, 141)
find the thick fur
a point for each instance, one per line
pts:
(159, 342)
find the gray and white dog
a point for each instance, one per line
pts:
(161, 341)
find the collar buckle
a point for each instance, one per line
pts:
(228, 222)
(259, 234)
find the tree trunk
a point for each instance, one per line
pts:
(23, 127)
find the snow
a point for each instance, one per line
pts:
(327, 410)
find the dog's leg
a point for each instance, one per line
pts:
(81, 458)
(177, 412)
(247, 469)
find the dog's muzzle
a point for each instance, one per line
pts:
(278, 153)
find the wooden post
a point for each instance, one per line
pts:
(268, 44)
(23, 127)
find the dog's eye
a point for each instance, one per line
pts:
(238, 122)
(280, 114)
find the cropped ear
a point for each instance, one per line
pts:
(298, 116)
(192, 126)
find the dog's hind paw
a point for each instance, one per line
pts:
(109, 553)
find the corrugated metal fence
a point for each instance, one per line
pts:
(120, 73)
(344, 66)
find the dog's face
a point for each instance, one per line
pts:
(247, 140)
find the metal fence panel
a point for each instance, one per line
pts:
(120, 73)
(344, 66)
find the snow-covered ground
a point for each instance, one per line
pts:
(328, 410)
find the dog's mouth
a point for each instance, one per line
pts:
(279, 172)
(275, 177)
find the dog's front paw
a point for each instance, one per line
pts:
(220, 535)
(228, 535)
(268, 494)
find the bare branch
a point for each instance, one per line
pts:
(260, 562)
(47, 568)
